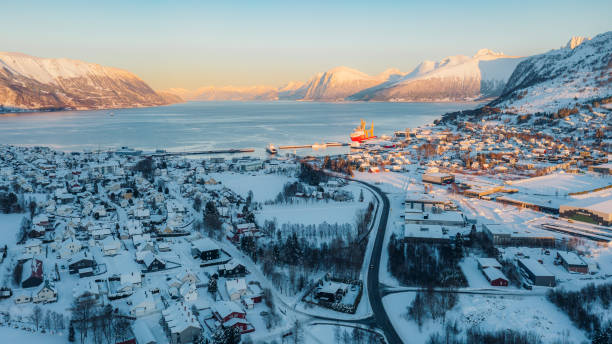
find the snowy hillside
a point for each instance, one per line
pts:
(339, 83)
(453, 78)
(560, 78)
(28, 82)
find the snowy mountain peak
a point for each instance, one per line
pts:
(561, 78)
(576, 41)
(30, 82)
(487, 52)
(457, 77)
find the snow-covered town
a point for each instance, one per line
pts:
(158, 248)
(314, 172)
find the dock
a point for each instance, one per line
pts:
(327, 144)
(202, 152)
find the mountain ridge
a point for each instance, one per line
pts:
(30, 83)
(455, 78)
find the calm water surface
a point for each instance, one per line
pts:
(214, 125)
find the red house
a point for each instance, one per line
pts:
(240, 230)
(495, 277)
(32, 274)
(231, 314)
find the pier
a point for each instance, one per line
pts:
(327, 144)
(202, 152)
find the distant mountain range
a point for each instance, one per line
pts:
(545, 82)
(575, 74)
(33, 83)
(454, 78)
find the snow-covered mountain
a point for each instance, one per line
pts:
(577, 73)
(33, 83)
(339, 83)
(236, 93)
(453, 78)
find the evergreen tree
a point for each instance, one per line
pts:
(212, 285)
(211, 215)
(71, 333)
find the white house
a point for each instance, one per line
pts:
(110, 246)
(46, 294)
(189, 292)
(23, 298)
(236, 288)
(70, 247)
(142, 303)
(33, 247)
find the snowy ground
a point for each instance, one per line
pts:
(319, 333)
(13, 335)
(9, 226)
(561, 183)
(312, 213)
(265, 187)
(530, 313)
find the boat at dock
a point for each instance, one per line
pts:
(362, 134)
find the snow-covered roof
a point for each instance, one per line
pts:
(488, 262)
(493, 274)
(571, 258)
(225, 308)
(536, 268)
(143, 332)
(205, 244)
(235, 285)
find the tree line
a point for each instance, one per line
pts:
(424, 264)
(580, 306)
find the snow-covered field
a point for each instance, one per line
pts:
(9, 226)
(13, 335)
(559, 184)
(265, 187)
(312, 213)
(525, 313)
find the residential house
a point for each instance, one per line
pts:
(236, 288)
(182, 323)
(32, 247)
(79, 261)
(32, 274)
(205, 249)
(231, 314)
(153, 262)
(231, 269)
(46, 294)
(142, 303)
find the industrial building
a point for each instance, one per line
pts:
(517, 235)
(572, 262)
(537, 273)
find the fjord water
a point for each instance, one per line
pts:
(214, 125)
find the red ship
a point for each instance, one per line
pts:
(362, 134)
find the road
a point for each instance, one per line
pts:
(373, 285)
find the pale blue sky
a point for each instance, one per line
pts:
(196, 43)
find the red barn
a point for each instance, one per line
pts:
(32, 274)
(495, 277)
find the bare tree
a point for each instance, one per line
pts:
(47, 321)
(37, 316)
(82, 309)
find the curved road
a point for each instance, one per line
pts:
(374, 293)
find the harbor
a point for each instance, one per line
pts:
(315, 145)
